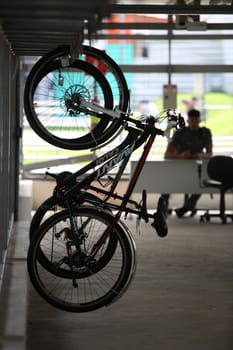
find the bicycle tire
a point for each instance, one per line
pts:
(57, 118)
(99, 288)
(51, 205)
(116, 81)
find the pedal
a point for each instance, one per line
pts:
(160, 223)
(143, 212)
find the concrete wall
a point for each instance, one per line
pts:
(8, 144)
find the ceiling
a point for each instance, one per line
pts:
(31, 28)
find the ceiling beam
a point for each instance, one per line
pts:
(160, 26)
(173, 9)
(161, 37)
(176, 68)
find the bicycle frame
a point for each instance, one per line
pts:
(82, 244)
(109, 160)
(123, 155)
(69, 190)
(119, 154)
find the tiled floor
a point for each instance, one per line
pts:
(181, 297)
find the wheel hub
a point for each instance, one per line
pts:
(78, 259)
(72, 97)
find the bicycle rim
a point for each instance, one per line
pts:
(53, 108)
(92, 290)
(115, 80)
(50, 207)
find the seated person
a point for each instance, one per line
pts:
(190, 142)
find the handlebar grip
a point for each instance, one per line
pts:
(181, 121)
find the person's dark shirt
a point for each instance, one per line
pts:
(194, 141)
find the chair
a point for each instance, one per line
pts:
(220, 173)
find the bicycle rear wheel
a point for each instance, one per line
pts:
(37, 78)
(97, 280)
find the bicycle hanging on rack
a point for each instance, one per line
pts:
(84, 257)
(53, 86)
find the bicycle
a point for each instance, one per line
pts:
(55, 83)
(84, 257)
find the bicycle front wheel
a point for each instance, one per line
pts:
(112, 73)
(95, 279)
(51, 103)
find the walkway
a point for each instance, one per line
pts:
(181, 297)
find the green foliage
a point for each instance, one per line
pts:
(219, 114)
